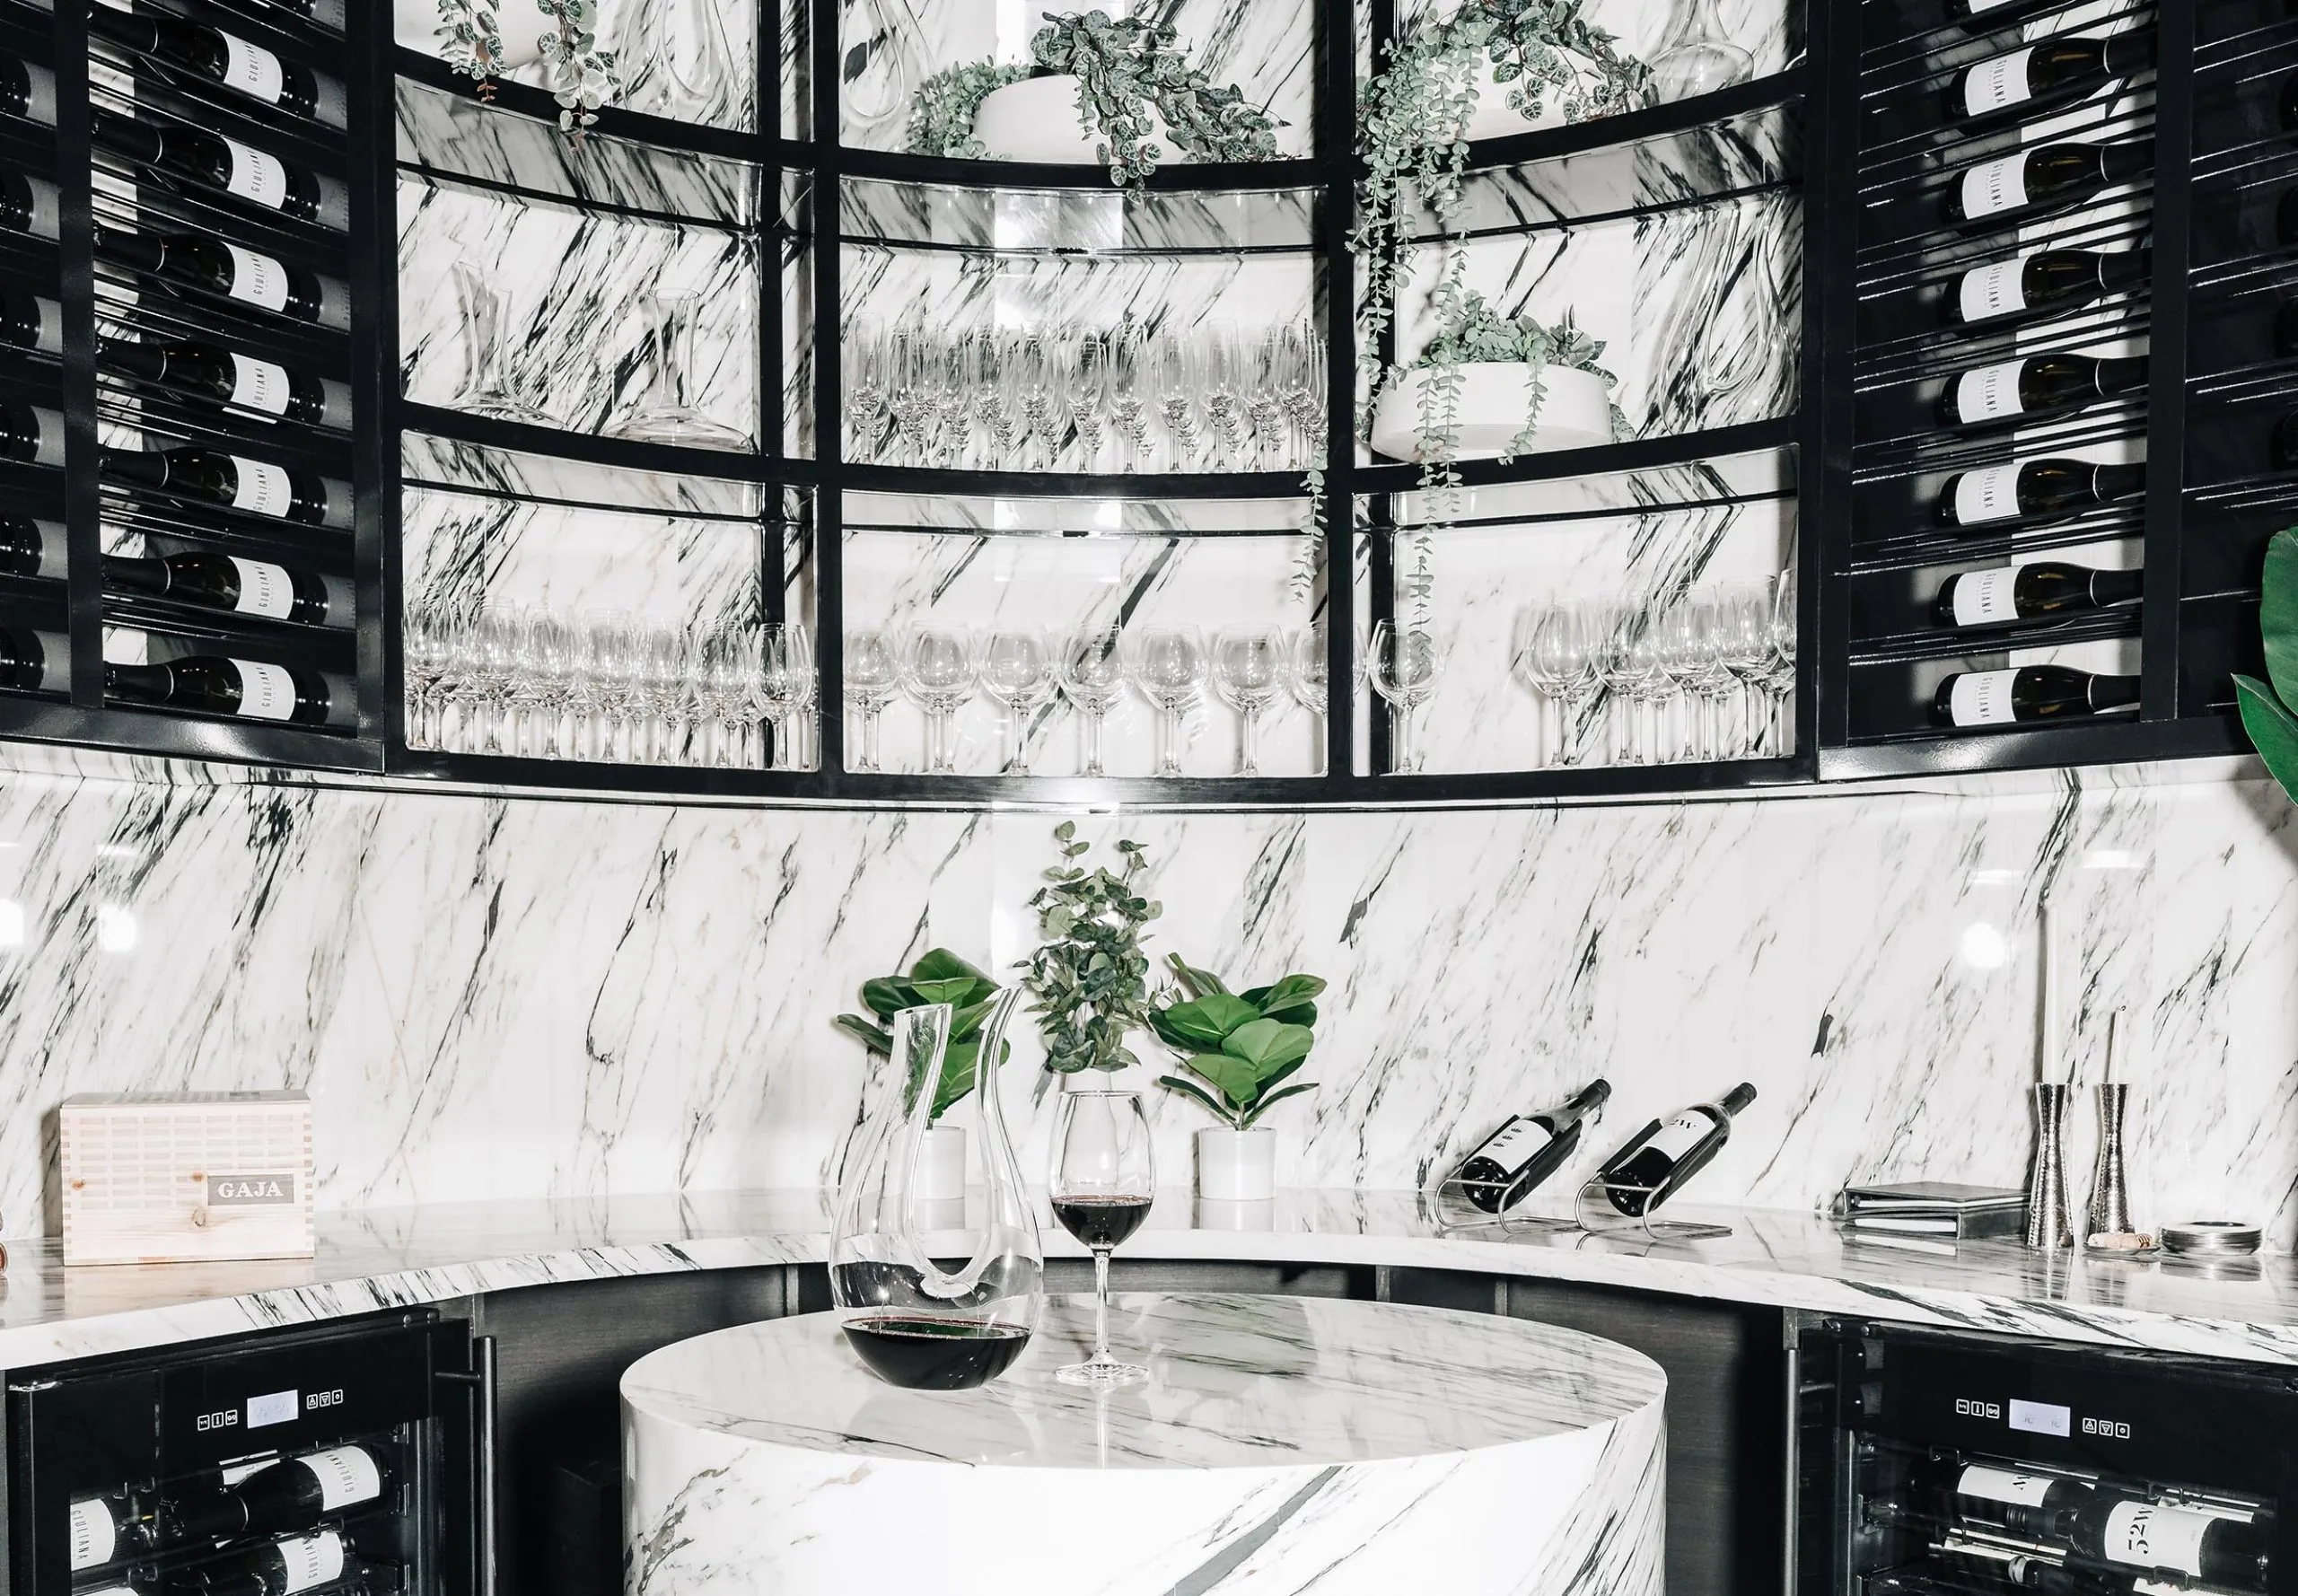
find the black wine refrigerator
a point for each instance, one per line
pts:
(1929, 1464)
(352, 1459)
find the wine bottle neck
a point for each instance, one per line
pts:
(147, 362)
(1737, 1099)
(2121, 163)
(2113, 692)
(2119, 481)
(2116, 587)
(123, 135)
(137, 252)
(137, 467)
(2121, 374)
(2125, 269)
(149, 683)
(137, 576)
(2126, 53)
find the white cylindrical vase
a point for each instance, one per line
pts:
(1037, 120)
(1236, 1166)
(940, 1172)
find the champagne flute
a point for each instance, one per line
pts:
(1084, 374)
(1090, 669)
(1104, 1177)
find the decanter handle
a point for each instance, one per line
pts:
(932, 1028)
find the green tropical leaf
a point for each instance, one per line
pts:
(872, 1037)
(1238, 1080)
(958, 1070)
(940, 964)
(1269, 1045)
(1191, 1090)
(2278, 615)
(887, 997)
(1206, 1021)
(953, 993)
(1201, 983)
(1270, 1099)
(2273, 729)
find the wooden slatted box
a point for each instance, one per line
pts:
(185, 1177)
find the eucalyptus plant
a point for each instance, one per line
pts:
(1240, 1049)
(2270, 708)
(939, 976)
(1090, 977)
(1483, 335)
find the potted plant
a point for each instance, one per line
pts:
(470, 38)
(2268, 714)
(1493, 386)
(1090, 977)
(1241, 1050)
(938, 977)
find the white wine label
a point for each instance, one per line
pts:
(315, 1560)
(259, 385)
(1978, 7)
(267, 693)
(265, 589)
(1516, 1145)
(257, 174)
(1681, 1134)
(1994, 186)
(252, 70)
(1989, 393)
(94, 1537)
(1985, 598)
(46, 208)
(1988, 493)
(347, 1476)
(234, 1473)
(2149, 1535)
(263, 488)
(1998, 85)
(48, 437)
(2004, 1485)
(49, 337)
(1982, 698)
(257, 279)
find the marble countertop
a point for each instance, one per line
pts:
(1237, 1381)
(387, 1258)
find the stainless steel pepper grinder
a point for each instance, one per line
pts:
(2109, 1182)
(2048, 1213)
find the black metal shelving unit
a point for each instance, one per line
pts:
(1838, 109)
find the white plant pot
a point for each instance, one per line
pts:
(941, 1173)
(1214, 1213)
(1575, 414)
(1236, 1166)
(1036, 119)
(414, 22)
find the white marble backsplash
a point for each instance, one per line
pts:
(495, 998)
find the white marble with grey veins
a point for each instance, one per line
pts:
(1280, 1444)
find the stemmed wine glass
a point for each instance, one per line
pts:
(939, 669)
(1556, 662)
(1308, 677)
(872, 676)
(1249, 672)
(1779, 679)
(1167, 665)
(1084, 374)
(1104, 1179)
(1404, 665)
(1090, 669)
(1131, 383)
(1017, 668)
(426, 634)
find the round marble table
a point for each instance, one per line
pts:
(1282, 1444)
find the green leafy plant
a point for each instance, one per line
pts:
(1125, 65)
(938, 977)
(1090, 977)
(940, 119)
(1242, 1048)
(1482, 335)
(2266, 709)
(470, 41)
(582, 76)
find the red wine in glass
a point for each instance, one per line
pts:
(934, 1354)
(1102, 1222)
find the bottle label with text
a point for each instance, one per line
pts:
(2149, 1535)
(315, 1561)
(1987, 598)
(1999, 84)
(252, 70)
(1988, 493)
(259, 385)
(95, 1539)
(1994, 186)
(257, 174)
(265, 589)
(347, 1476)
(262, 488)
(1516, 1145)
(1982, 698)
(1990, 393)
(2003, 1485)
(1681, 1134)
(257, 279)
(267, 692)
(1991, 290)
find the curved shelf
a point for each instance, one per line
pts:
(665, 459)
(2105, 742)
(524, 99)
(1638, 127)
(1637, 455)
(918, 480)
(1212, 177)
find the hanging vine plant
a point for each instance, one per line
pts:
(941, 118)
(583, 78)
(470, 41)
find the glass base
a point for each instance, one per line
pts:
(685, 427)
(1102, 1373)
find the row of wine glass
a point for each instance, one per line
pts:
(1136, 399)
(543, 683)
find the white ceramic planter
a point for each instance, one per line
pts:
(414, 23)
(940, 1172)
(1236, 1166)
(1036, 119)
(1576, 414)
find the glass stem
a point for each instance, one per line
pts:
(1093, 733)
(1249, 765)
(1101, 1306)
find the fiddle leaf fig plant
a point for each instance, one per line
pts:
(1090, 977)
(2268, 714)
(939, 976)
(1240, 1049)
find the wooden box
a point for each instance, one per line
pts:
(188, 1176)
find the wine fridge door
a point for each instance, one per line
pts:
(1929, 1464)
(349, 1459)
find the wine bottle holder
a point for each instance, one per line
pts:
(1596, 1214)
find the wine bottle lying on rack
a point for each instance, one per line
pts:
(1513, 1160)
(1665, 1154)
(231, 481)
(31, 434)
(1998, 1495)
(236, 586)
(225, 164)
(290, 1496)
(27, 89)
(2029, 695)
(2035, 490)
(35, 662)
(2185, 1541)
(2038, 77)
(250, 690)
(2046, 589)
(2015, 392)
(32, 547)
(29, 206)
(223, 376)
(107, 1527)
(2047, 283)
(2042, 181)
(188, 259)
(277, 1569)
(28, 321)
(224, 58)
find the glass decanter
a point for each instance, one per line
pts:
(1700, 56)
(664, 414)
(487, 388)
(910, 1322)
(680, 63)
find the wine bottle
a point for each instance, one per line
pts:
(2035, 490)
(2027, 695)
(251, 689)
(31, 433)
(226, 376)
(2045, 284)
(2167, 1539)
(1527, 1149)
(187, 260)
(275, 1568)
(33, 661)
(215, 162)
(1998, 1495)
(287, 1496)
(2009, 392)
(28, 321)
(32, 547)
(226, 581)
(2038, 76)
(224, 58)
(2041, 591)
(27, 89)
(212, 477)
(29, 204)
(1659, 1158)
(107, 1527)
(2041, 181)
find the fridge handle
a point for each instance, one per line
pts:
(481, 1379)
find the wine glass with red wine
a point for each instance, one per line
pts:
(1103, 1179)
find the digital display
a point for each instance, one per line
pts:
(2040, 1418)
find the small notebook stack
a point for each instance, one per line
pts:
(1940, 1209)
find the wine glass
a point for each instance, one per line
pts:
(424, 634)
(1132, 381)
(991, 378)
(1404, 664)
(498, 641)
(782, 685)
(872, 676)
(938, 668)
(1308, 677)
(1085, 373)
(1168, 664)
(1779, 680)
(869, 387)
(1301, 387)
(1744, 649)
(1249, 672)
(1091, 669)
(1034, 387)
(555, 645)
(1221, 368)
(1178, 384)
(666, 674)
(1017, 668)
(1556, 663)
(1104, 1179)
